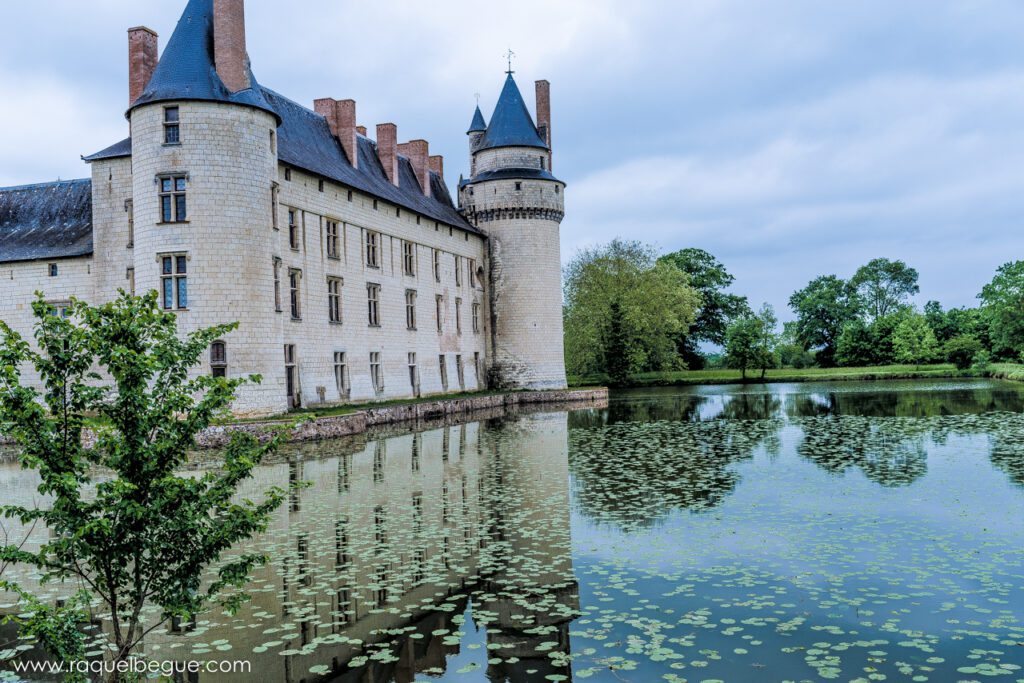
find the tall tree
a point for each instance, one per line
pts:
(1003, 302)
(823, 308)
(884, 285)
(751, 342)
(710, 278)
(654, 300)
(122, 521)
(914, 341)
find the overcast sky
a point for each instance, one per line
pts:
(789, 138)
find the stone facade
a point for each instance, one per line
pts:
(459, 301)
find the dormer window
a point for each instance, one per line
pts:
(172, 129)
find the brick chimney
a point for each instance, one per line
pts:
(437, 165)
(341, 119)
(544, 111)
(229, 55)
(142, 59)
(387, 150)
(418, 152)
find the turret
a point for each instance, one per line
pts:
(204, 163)
(477, 128)
(512, 196)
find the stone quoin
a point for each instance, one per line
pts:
(352, 273)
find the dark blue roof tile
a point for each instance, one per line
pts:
(478, 125)
(118, 149)
(511, 124)
(46, 221)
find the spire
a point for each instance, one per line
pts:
(478, 125)
(511, 124)
(187, 71)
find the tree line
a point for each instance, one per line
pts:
(630, 310)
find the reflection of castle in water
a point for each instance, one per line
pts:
(373, 565)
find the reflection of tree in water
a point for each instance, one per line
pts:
(890, 452)
(911, 402)
(1008, 447)
(633, 474)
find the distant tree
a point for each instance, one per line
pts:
(856, 345)
(1003, 306)
(710, 278)
(883, 285)
(768, 342)
(751, 340)
(617, 352)
(823, 308)
(915, 342)
(962, 350)
(655, 306)
(792, 354)
(123, 523)
(883, 333)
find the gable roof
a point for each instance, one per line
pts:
(46, 221)
(186, 68)
(511, 124)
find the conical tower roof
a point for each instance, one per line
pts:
(186, 69)
(478, 125)
(511, 124)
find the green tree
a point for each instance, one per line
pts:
(915, 342)
(751, 341)
(791, 352)
(768, 342)
(122, 522)
(962, 350)
(617, 352)
(884, 285)
(655, 302)
(1003, 302)
(823, 308)
(710, 278)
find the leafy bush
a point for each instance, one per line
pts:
(962, 350)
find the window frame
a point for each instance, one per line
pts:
(294, 238)
(172, 126)
(177, 277)
(332, 234)
(371, 251)
(373, 304)
(341, 378)
(173, 199)
(410, 309)
(409, 258)
(335, 287)
(219, 361)
(295, 293)
(377, 372)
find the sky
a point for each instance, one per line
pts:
(791, 138)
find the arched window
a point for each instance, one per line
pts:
(219, 359)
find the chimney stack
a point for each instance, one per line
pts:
(544, 111)
(341, 119)
(387, 150)
(229, 55)
(418, 152)
(437, 166)
(142, 59)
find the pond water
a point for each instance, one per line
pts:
(849, 531)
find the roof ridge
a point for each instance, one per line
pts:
(30, 186)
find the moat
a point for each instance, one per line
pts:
(852, 531)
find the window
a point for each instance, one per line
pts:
(320, 186)
(219, 359)
(414, 378)
(273, 142)
(129, 275)
(60, 309)
(373, 301)
(519, 186)
(291, 375)
(129, 208)
(458, 271)
(410, 309)
(460, 370)
(277, 284)
(274, 190)
(172, 126)
(476, 318)
(293, 229)
(437, 265)
(341, 374)
(52, 268)
(442, 365)
(172, 199)
(334, 299)
(372, 249)
(409, 258)
(288, 174)
(332, 239)
(376, 373)
(472, 272)
(174, 281)
(294, 285)
(458, 316)
(439, 312)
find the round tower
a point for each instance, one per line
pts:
(513, 197)
(204, 162)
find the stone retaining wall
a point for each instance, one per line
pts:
(331, 427)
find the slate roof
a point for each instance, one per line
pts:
(118, 149)
(478, 124)
(46, 221)
(517, 173)
(186, 68)
(511, 124)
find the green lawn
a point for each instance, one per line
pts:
(722, 376)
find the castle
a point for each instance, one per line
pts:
(353, 274)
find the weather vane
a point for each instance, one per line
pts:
(477, 96)
(509, 55)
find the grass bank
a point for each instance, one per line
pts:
(883, 372)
